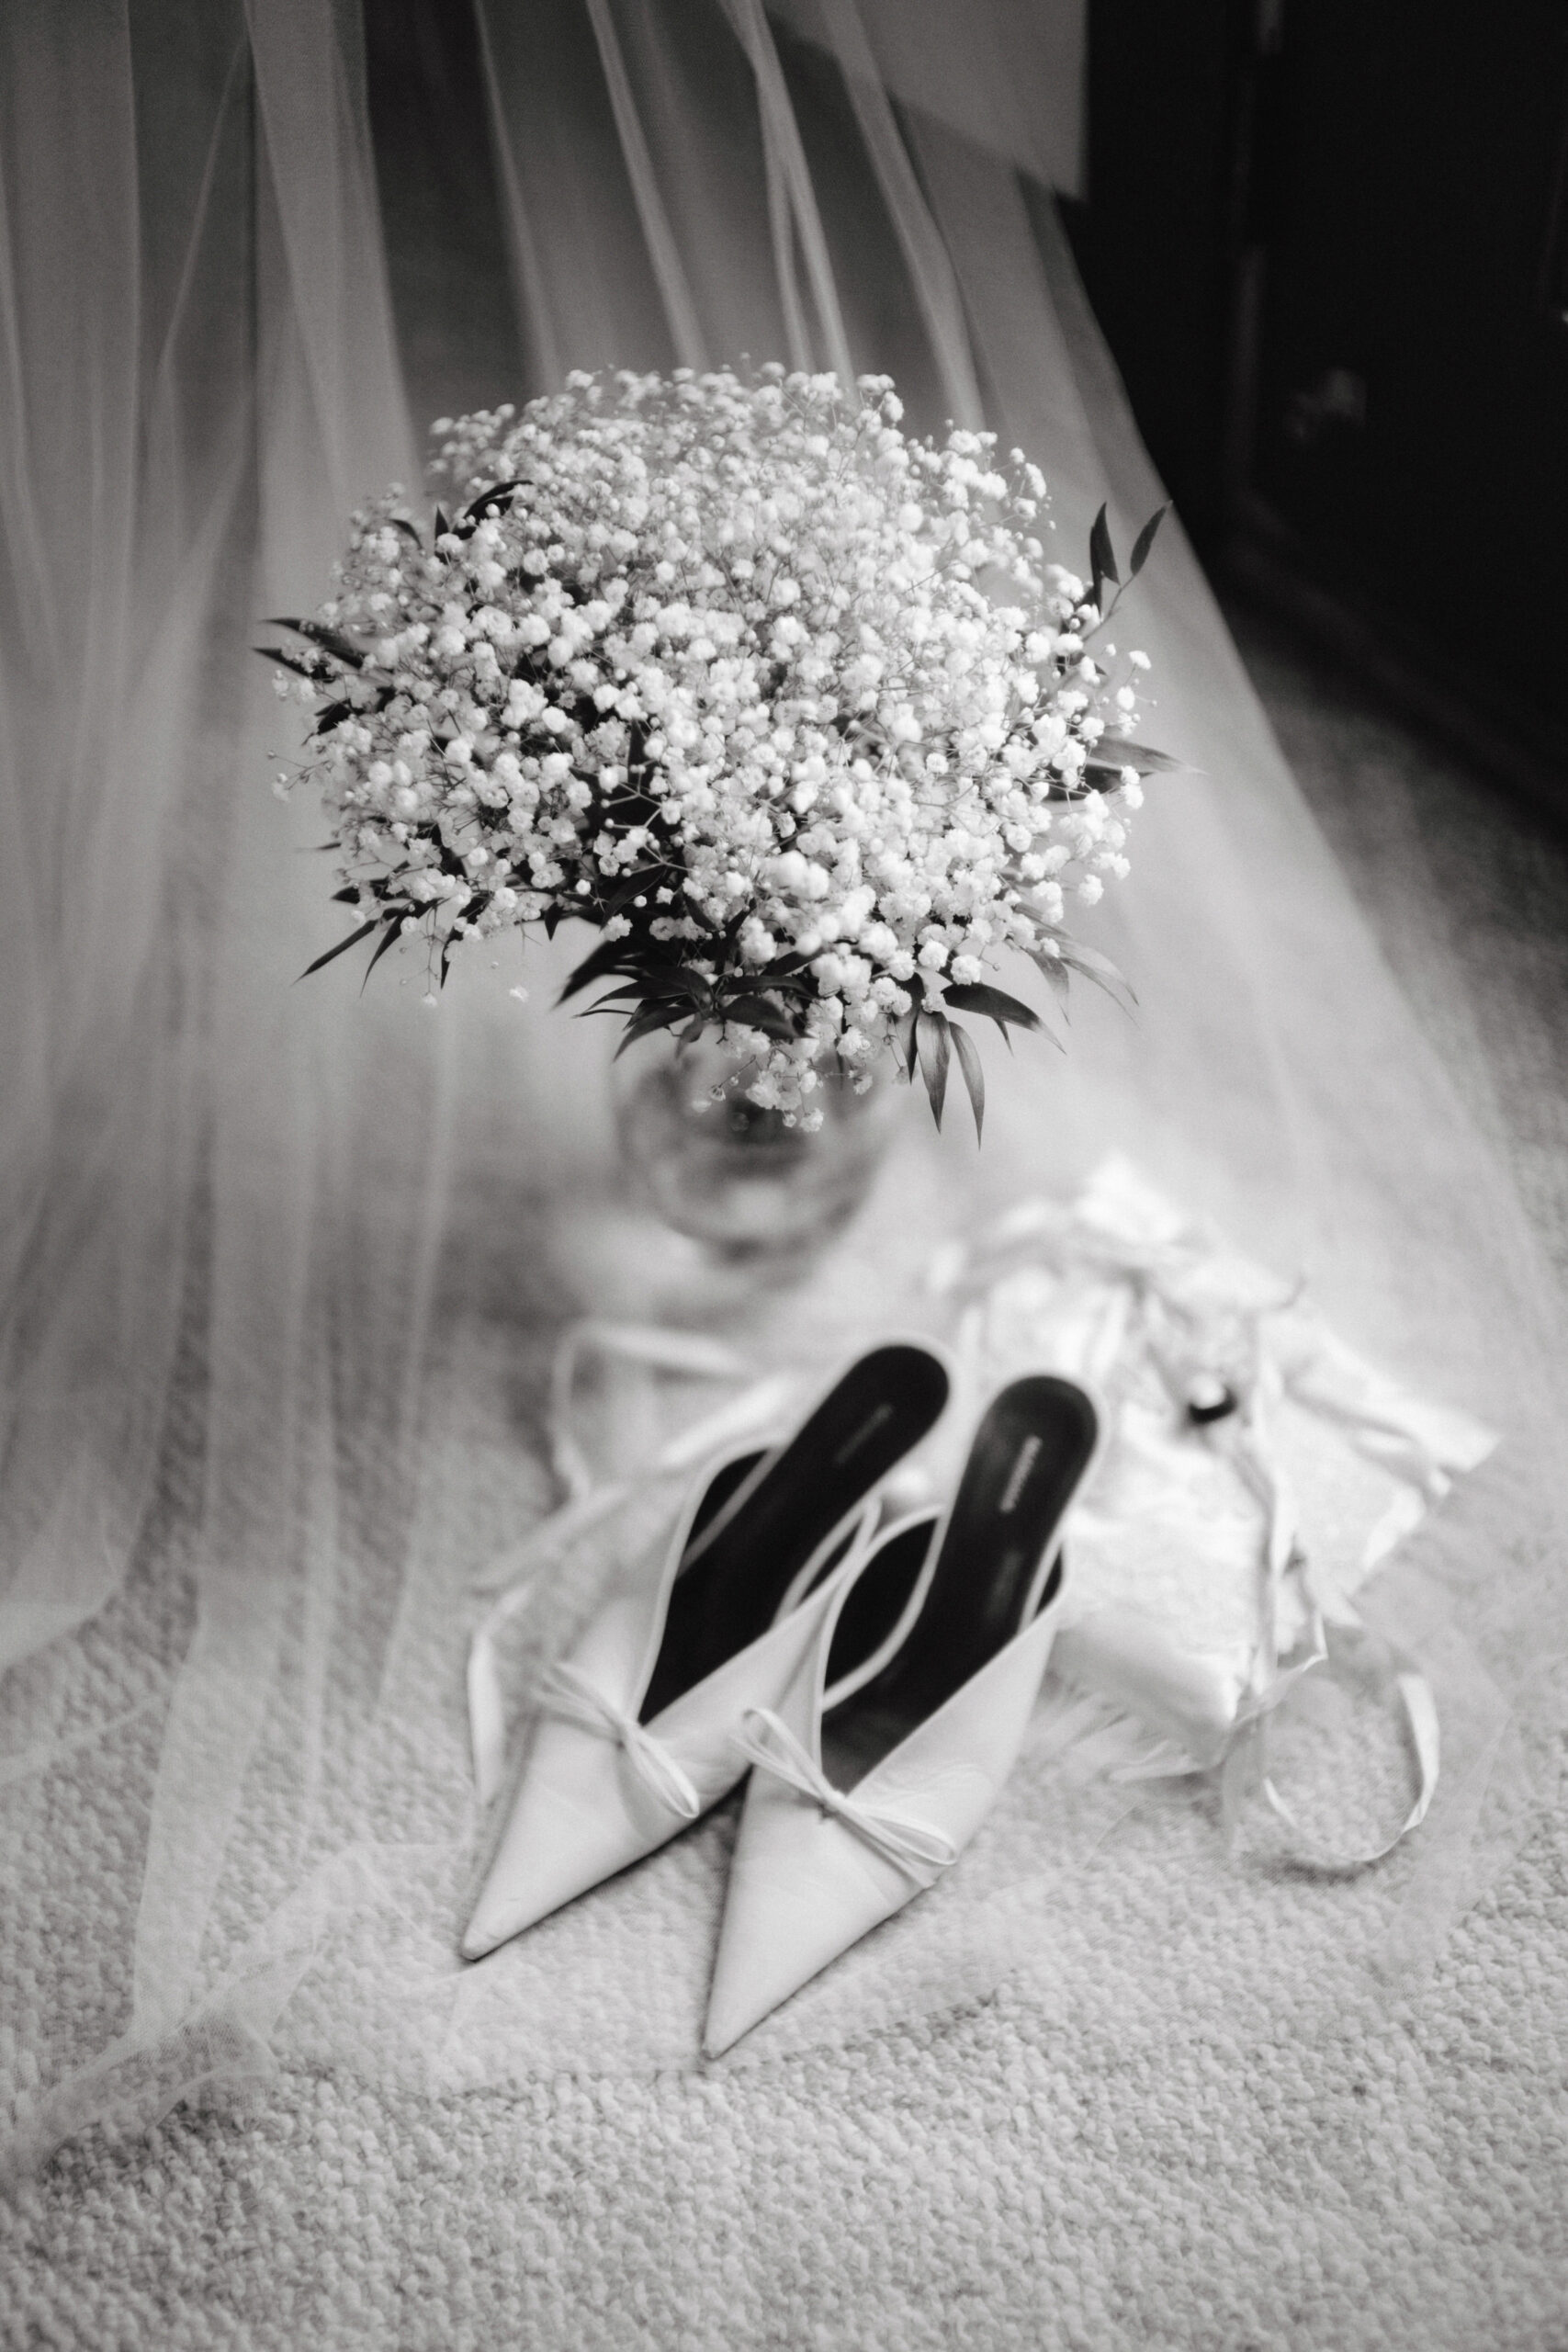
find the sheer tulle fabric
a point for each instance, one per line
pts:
(284, 1266)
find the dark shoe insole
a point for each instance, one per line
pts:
(878, 1598)
(1030, 1452)
(733, 1588)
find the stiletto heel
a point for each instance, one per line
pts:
(634, 1735)
(866, 1787)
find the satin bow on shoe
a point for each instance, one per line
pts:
(562, 1691)
(857, 1804)
(770, 1745)
(635, 1733)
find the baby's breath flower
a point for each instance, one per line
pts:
(707, 662)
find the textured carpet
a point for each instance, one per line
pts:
(1134, 2143)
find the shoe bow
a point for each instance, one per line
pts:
(768, 1743)
(563, 1691)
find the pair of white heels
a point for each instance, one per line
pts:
(878, 1691)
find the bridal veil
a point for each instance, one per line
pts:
(283, 1266)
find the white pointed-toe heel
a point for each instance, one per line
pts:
(866, 1787)
(635, 1735)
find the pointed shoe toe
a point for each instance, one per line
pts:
(579, 1816)
(803, 1889)
(862, 1795)
(635, 1733)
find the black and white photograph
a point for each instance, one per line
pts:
(784, 1176)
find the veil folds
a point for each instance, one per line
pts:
(283, 1265)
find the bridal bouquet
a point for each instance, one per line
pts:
(790, 707)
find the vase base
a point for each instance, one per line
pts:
(615, 1259)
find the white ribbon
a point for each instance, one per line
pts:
(563, 1691)
(756, 1405)
(1196, 1303)
(768, 1742)
(487, 1707)
(1245, 1772)
(657, 1347)
(1329, 1613)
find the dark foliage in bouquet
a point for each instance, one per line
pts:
(789, 708)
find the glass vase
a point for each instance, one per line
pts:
(737, 1177)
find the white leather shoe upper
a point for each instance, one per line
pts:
(598, 1787)
(598, 1790)
(807, 1881)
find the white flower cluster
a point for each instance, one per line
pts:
(788, 705)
